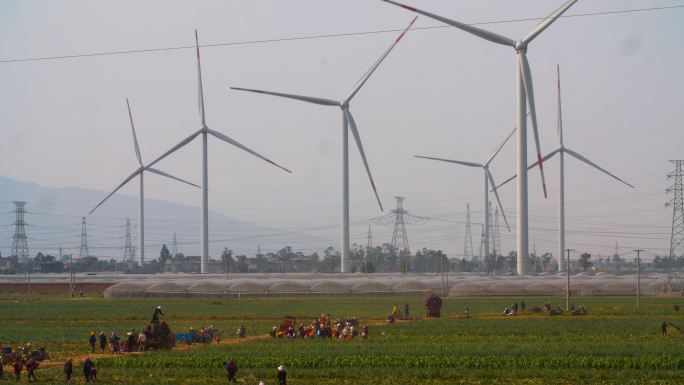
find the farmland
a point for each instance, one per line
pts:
(615, 343)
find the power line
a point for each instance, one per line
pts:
(325, 36)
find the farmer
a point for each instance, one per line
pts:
(114, 342)
(103, 340)
(31, 366)
(302, 331)
(68, 369)
(17, 367)
(522, 305)
(241, 331)
(142, 340)
(156, 314)
(87, 366)
(406, 310)
(92, 340)
(131, 340)
(231, 370)
(663, 329)
(395, 311)
(282, 375)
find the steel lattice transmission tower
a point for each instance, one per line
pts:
(677, 203)
(497, 234)
(20, 240)
(174, 247)
(468, 243)
(482, 255)
(84, 239)
(399, 237)
(369, 238)
(492, 241)
(129, 253)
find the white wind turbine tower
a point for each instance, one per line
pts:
(525, 94)
(487, 179)
(205, 131)
(139, 171)
(561, 151)
(348, 123)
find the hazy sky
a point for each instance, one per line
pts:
(441, 92)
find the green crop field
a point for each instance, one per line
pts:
(615, 344)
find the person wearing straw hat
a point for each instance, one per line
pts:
(282, 375)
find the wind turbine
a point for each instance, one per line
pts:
(561, 151)
(348, 123)
(205, 131)
(139, 171)
(525, 94)
(487, 179)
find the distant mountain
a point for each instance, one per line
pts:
(54, 218)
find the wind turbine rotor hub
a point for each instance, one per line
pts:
(520, 46)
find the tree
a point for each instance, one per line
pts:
(164, 254)
(584, 262)
(368, 267)
(227, 259)
(242, 264)
(546, 259)
(285, 254)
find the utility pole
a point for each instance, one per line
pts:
(71, 275)
(29, 277)
(567, 286)
(638, 251)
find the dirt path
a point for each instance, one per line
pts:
(77, 359)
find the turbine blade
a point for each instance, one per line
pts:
(368, 73)
(545, 158)
(200, 92)
(529, 91)
(594, 165)
(133, 175)
(135, 138)
(548, 21)
(469, 164)
(487, 35)
(309, 99)
(225, 138)
(496, 152)
(162, 173)
(357, 138)
(496, 194)
(176, 147)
